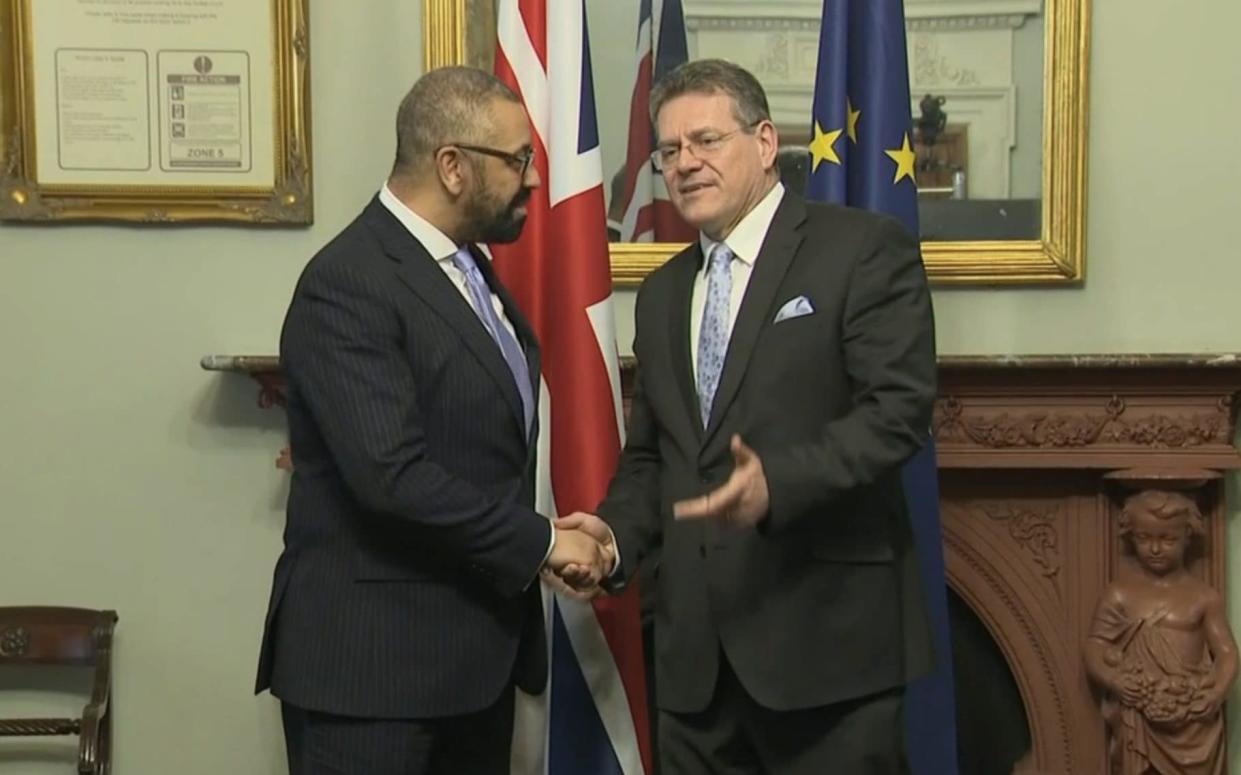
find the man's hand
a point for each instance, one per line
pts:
(742, 500)
(576, 580)
(597, 529)
(585, 593)
(578, 558)
(593, 526)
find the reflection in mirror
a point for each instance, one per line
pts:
(976, 84)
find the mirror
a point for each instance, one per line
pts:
(1000, 172)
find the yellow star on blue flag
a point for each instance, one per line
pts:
(863, 88)
(822, 147)
(904, 158)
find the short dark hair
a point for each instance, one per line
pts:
(447, 105)
(714, 76)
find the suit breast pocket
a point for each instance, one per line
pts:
(798, 333)
(800, 351)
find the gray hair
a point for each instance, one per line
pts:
(447, 105)
(714, 76)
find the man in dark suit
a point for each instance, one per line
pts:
(405, 606)
(786, 370)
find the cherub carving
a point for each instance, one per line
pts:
(1160, 648)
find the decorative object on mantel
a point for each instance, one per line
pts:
(933, 120)
(1032, 453)
(1160, 649)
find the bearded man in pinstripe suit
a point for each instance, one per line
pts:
(405, 606)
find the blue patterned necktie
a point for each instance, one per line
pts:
(463, 259)
(713, 334)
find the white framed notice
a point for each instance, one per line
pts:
(155, 110)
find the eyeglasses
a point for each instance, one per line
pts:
(703, 145)
(521, 160)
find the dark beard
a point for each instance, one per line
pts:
(496, 225)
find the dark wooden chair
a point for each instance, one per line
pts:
(47, 636)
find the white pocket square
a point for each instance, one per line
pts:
(794, 308)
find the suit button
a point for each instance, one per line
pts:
(702, 550)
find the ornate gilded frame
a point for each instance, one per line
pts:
(463, 31)
(288, 201)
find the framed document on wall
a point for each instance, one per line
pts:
(155, 111)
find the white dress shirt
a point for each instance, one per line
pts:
(745, 241)
(442, 249)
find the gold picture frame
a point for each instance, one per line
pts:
(463, 32)
(284, 197)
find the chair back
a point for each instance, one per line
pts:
(36, 636)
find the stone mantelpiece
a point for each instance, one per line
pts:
(1036, 454)
(1091, 411)
(1032, 411)
(975, 366)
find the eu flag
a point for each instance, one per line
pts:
(861, 154)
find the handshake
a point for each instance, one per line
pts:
(585, 551)
(584, 555)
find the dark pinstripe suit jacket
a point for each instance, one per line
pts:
(823, 602)
(404, 589)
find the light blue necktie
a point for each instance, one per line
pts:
(713, 334)
(463, 259)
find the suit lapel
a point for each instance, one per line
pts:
(419, 271)
(773, 261)
(678, 332)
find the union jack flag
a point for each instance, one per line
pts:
(648, 215)
(592, 718)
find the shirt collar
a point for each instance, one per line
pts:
(747, 238)
(432, 239)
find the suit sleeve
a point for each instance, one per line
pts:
(631, 507)
(888, 347)
(344, 352)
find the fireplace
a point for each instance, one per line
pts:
(1036, 455)
(993, 728)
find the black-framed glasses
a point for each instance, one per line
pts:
(521, 160)
(703, 145)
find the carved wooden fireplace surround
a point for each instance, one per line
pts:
(1035, 454)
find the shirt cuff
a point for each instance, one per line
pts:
(615, 578)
